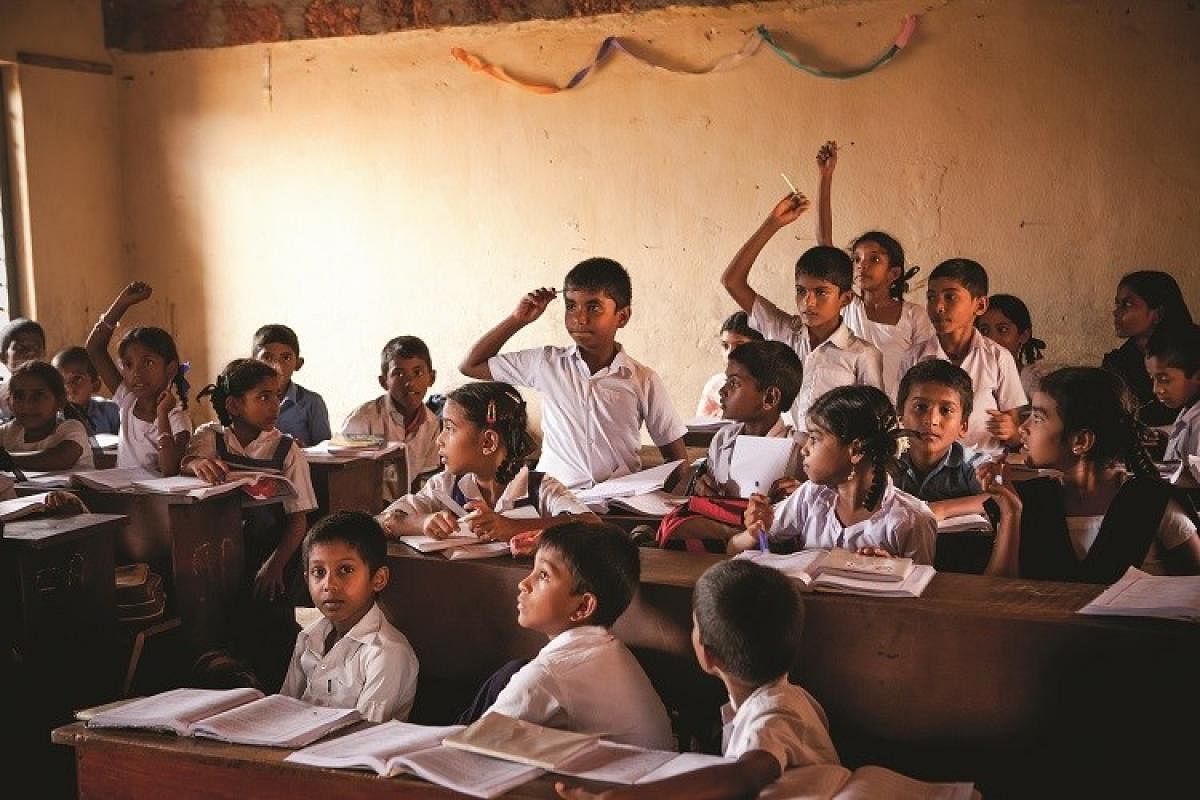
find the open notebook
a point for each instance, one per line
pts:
(878, 577)
(1140, 594)
(835, 782)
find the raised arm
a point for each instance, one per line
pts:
(736, 277)
(475, 365)
(826, 161)
(1006, 550)
(98, 340)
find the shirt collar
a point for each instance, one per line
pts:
(365, 631)
(951, 460)
(1187, 415)
(583, 634)
(730, 709)
(290, 395)
(620, 363)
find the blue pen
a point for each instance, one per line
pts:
(763, 546)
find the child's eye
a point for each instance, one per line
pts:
(317, 572)
(346, 569)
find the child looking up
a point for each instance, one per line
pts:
(1007, 323)
(747, 624)
(302, 412)
(1173, 362)
(879, 313)
(1110, 511)
(35, 437)
(832, 355)
(849, 501)
(735, 330)
(155, 427)
(484, 442)
(595, 396)
(351, 657)
(83, 383)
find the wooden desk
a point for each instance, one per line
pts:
(349, 483)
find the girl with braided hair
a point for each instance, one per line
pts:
(484, 444)
(849, 500)
(1109, 511)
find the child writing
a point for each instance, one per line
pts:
(747, 623)
(1111, 509)
(485, 442)
(155, 427)
(832, 355)
(302, 412)
(1173, 362)
(595, 396)
(35, 437)
(1007, 323)
(351, 657)
(849, 501)
(83, 383)
(735, 330)
(957, 295)
(22, 340)
(879, 313)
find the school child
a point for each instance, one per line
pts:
(735, 330)
(83, 383)
(1007, 323)
(849, 501)
(878, 313)
(352, 657)
(762, 379)
(21, 340)
(957, 295)
(405, 373)
(1173, 362)
(35, 437)
(485, 442)
(302, 412)
(584, 679)
(832, 354)
(1110, 511)
(595, 396)
(1146, 301)
(155, 426)
(747, 623)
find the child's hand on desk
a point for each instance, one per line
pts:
(524, 543)
(875, 551)
(440, 524)
(759, 514)
(533, 304)
(64, 503)
(268, 583)
(487, 524)
(788, 210)
(213, 470)
(783, 488)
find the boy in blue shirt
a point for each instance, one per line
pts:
(302, 412)
(83, 384)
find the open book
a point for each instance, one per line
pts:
(22, 506)
(112, 480)
(655, 504)
(373, 447)
(1140, 594)
(835, 782)
(623, 763)
(465, 544)
(500, 736)
(635, 483)
(807, 568)
(964, 523)
(259, 485)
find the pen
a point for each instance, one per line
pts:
(790, 185)
(763, 546)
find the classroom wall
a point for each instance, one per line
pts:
(363, 187)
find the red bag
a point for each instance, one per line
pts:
(726, 510)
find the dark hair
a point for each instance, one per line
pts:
(866, 415)
(601, 275)
(942, 373)
(403, 347)
(1015, 309)
(18, 326)
(1158, 289)
(1179, 348)
(603, 560)
(49, 375)
(827, 264)
(358, 529)
(970, 274)
(158, 341)
(751, 618)
(239, 376)
(1096, 400)
(492, 405)
(772, 364)
(739, 322)
(77, 356)
(895, 255)
(275, 334)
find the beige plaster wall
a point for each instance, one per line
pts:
(365, 187)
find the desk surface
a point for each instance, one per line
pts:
(38, 532)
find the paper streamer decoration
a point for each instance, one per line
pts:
(612, 44)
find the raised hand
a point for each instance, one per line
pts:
(533, 304)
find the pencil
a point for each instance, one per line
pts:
(789, 183)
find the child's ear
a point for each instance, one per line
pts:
(845, 297)
(1082, 442)
(383, 382)
(708, 662)
(772, 397)
(981, 305)
(380, 578)
(585, 610)
(233, 406)
(489, 441)
(299, 363)
(623, 315)
(856, 451)
(432, 375)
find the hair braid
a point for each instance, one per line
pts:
(1136, 459)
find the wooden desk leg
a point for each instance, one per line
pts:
(208, 564)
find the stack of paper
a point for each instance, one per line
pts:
(622, 763)
(654, 504)
(261, 485)
(112, 480)
(965, 522)
(635, 483)
(1139, 594)
(47, 480)
(500, 736)
(373, 447)
(22, 506)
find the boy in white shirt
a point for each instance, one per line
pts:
(595, 396)
(747, 622)
(832, 354)
(1173, 363)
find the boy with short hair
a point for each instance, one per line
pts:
(595, 396)
(832, 354)
(302, 412)
(83, 386)
(747, 622)
(956, 297)
(1173, 362)
(405, 373)
(584, 679)
(352, 657)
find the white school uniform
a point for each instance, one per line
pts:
(1175, 528)
(379, 417)
(1184, 439)
(841, 360)
(553, 497)
(137, 441)
(902, 525)
(994, 376)
(710, 397)
(782, 719)
(12, 439)
(720, 453)
(372, 668)
(892, 341)
(591, 424)
(585, 680)
(295, 466)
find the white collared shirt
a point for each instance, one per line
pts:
(1185, 435)
(137, 441)
(591, 424)
(379, 417)
(841, 360)
(372, 668)
(709, 404)
(553, 497)
(585, 680)
(903, 525)
(994, 376)
(12, 439)
(892, 341)
(720, 453)
(782, 719)
(295, 466)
